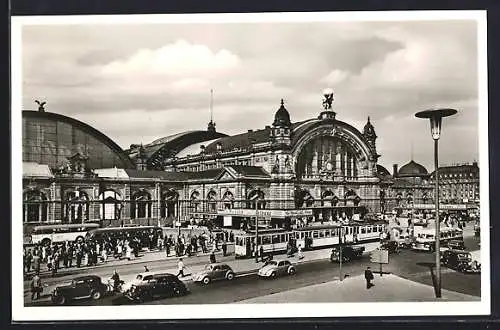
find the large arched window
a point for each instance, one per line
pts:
(327, 154)
(35, 206)
(303, 198)
(141, 205)
(76, 207)
(228, 200)
(257, 196)
(212, 201)
(168, 205)
(111, 205)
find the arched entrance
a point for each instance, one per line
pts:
(35, 207)
(111, 205)
(228, 200)
(141, 205)
(76, 207)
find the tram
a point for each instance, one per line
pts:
(276, 241)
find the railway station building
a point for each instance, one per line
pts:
(320, 169)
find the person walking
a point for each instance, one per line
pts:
(180, 267)
(167, 248)
(212, 258)
(368, 277)
(36, 287)
(36, 262)
(224, 248)
(29, 259)
(300, 252)
(261, 253)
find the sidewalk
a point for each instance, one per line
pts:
(241, 267)
(145, 257)
(388, 288)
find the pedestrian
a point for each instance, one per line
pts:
(128, 251)
(261, 253)
(36, 287)
(300, 252)
(224, 248)
(36, 262)
(29, 259)
(79, 255)
(181, 267)
(167, 248)
(146, 269)
(368, 277)
(212, 258)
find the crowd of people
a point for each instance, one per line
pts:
(88, 253)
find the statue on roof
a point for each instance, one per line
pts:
(41, 105)
(327, 99)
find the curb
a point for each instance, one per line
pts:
(75, 270)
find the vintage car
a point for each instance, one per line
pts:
(391, 246)
(456, 245)
(461, 261)
(141, 277)
(214, 272)
(275, 268)
(158, 285)
(349, 252)
(82, 287)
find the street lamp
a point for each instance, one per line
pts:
(436, 117)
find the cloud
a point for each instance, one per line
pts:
(157, 78)
(335, 77)
(178, 59)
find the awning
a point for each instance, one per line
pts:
(36, 170)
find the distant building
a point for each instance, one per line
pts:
(458, 183)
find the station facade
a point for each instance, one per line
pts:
(321, 169)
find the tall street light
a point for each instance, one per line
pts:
(436, 117)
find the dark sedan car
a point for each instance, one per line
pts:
(456, 245)
(458, 260)
(160, 285)
(349, 252)
(82, 287)
(391, 246)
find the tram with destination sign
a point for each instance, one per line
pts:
(275, 241)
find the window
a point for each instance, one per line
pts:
(315, 234)
(328, 233)
(276, 239)
(363, 230)
(321, 233)
(266, 239)
(281, 263)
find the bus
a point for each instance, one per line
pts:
(425, 238)
(147, 235)
(60, 233)
(310, 237)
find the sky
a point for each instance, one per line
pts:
(138, 82)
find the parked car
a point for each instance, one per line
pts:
(275, 268)
(391, 246)
(82, 287)
(460, 260)
(158, 285)
(477, 229)
(214, 272)
(349, 253)
(456, 245)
